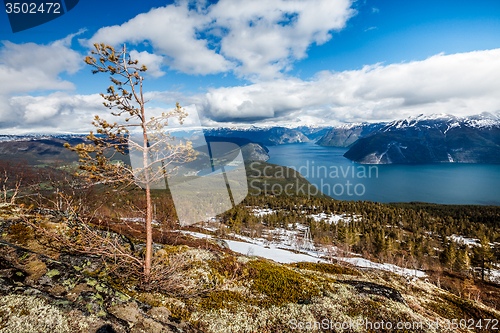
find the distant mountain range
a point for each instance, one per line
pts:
(39, 150)
(268, 136)
(439, 138)
(46, 149)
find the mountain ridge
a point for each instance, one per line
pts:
(438, 138)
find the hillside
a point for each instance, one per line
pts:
(45, 150)
(347, 135)
(39, 150)
(269, 136)
(431, 139)
(215, 290)
(69, 251)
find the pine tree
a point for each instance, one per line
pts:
(463, 261)
(126, 98)
(380, 242)
(450, 255)
(483, 255)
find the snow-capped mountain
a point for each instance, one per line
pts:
(445, 122)
(347, 134)
(431, 139)
(269, 136)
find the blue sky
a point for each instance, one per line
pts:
(322, 62)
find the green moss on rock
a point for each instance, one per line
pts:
(326, 268)
(280, 284)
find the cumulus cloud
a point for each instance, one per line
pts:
(172, 31)
(61, 112)
(256, 39)
(266, 37)
(461, 84)
(32, 67)
(152, 61)
(27, 67)
(56, 112)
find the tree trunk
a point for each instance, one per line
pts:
(149, 233)
(149, 217)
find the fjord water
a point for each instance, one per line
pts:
(448, 183)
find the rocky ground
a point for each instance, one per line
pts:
(43, 290)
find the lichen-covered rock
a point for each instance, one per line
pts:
(39, 294)
(9, 211)
(139, 323)
(160, 313)
(22, 313)
(128, 312)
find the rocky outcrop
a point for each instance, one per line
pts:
(40, 294)
(271, 136)
(370, 288)
(255, 152)
(345, 136)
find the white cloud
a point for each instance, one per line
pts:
(153, 62)
(461, 84)
(62, 112)
(259, 39)
(56, 112)
(172, 31)
(30, 66)
(266, 37)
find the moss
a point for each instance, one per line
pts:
(101, 288)
(450, 306)
(91, 282)
(122, 296)
(180, 312)
(228, 267)
(223, 299)
(69, 284)
(24, 256)
(35, 268)
(174, 249)
(20, 233)
(52, 273)
(326, 268)
(280, 285)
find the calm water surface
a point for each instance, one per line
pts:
(326, 168)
